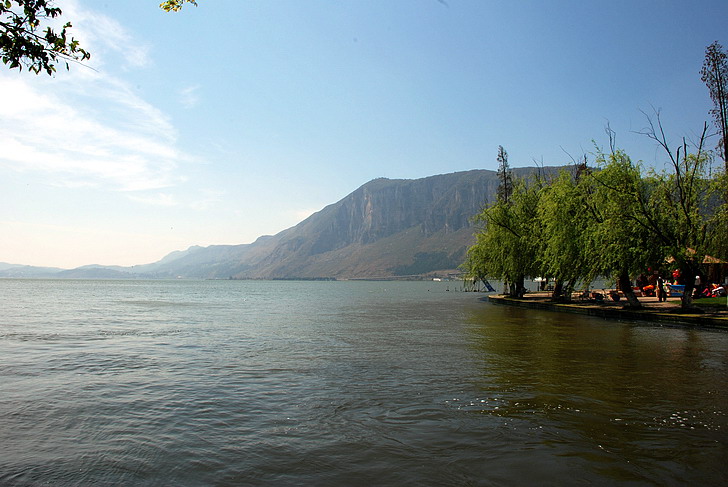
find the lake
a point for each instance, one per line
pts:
(346, 383)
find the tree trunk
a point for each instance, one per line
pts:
(569, 289)
(625, 284)
(517, 288)
(558, 292)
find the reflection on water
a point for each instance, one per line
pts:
(345, 383)
(638, 402)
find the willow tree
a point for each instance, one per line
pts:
(617, 242)
(718, 234)
(679, 205)
(564, 216)
(508, 246)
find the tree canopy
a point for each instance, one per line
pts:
(508, 248)
(714, 74)
(28, 40)
(615, 220)
(505, 176)
(175, 5)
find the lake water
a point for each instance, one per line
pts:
(346, 383)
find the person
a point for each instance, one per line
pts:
(651, 288)
(642, 282)
(660, 289)
(698, 290)
(706, 292)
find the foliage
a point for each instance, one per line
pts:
(564, 255)
(508, 248)
(175, 5)
(505, 176)
(714, 74)
(683, 211)
(27, 40)
(620, 244)
(615, 220)
(717, 236)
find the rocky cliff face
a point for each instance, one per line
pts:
(383, 207)
(379, 229)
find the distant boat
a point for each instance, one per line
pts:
(436, 279)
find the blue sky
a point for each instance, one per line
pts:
(239, 118)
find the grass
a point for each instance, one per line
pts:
(706, 302)
(710, 302)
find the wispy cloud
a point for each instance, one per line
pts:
(46, 132)
(188, 96)
(104, 35)
(87, 127)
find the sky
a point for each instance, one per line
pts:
(239, 118)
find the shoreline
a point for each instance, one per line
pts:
(652, 311)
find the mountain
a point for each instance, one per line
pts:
(387, 228)
(26, 271)
(96, 272)
(384, 229)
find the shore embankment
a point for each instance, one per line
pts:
(666, 312)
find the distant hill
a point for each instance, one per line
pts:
(385, 229)
(27, 271)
